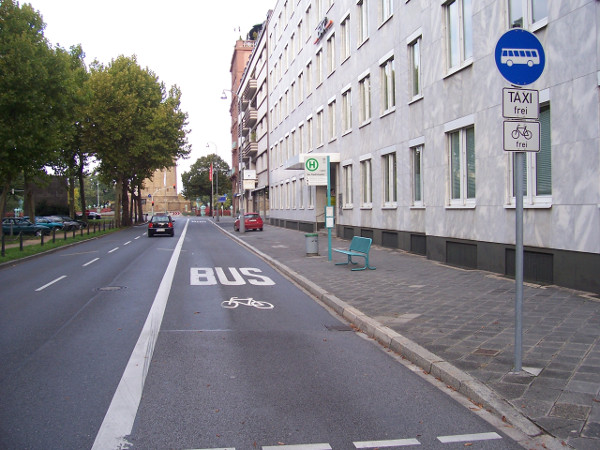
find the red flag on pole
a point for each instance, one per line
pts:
(210, 173)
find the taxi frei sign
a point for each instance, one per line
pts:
(315, 170)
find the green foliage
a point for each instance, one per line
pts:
(196, 182)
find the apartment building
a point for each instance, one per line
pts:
(254, 137)
(405, 98)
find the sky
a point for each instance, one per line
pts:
(188, 43)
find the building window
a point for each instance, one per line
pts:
(363, 21)
(347, 186)
(331, 124)
(527, 13)
(301, 194)
(293, 194)
(364, 88)
(414, 50)
(345, 37)
(311, 196)
(300, 88)
(417, 175)
(459, 30)
(386, 9)
(366, 183)
(320, 131)
(346, 111)
(319, 67)
(462, 166)
(301, 148)
(389, 180)
(331, 54)
(537, 168)
(308, 79)
(309, 133)
(388, 86)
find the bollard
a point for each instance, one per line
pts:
(21, 241)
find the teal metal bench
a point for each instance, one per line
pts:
(359, 246)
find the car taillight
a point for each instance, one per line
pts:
(150, 225)
(170, 224)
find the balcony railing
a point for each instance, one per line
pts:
(250, 89)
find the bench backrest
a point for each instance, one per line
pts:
(360, 244)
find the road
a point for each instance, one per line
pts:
(195, 342)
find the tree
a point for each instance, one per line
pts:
(135, 127)
(196, 182)
(33, 107)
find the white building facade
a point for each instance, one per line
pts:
(405, 98)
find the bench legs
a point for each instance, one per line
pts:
(366, 266)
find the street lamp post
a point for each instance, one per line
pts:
(216, 194)
(240, 162)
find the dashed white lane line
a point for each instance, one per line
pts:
(127, 243)
(90, 262)
(469, 437)
(113, 250)
(388, 443)
(50, 284)
(299, 447)
(119, 419)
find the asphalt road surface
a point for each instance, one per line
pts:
(194, 342)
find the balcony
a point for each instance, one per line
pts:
(250, 89)
(250, 149)
(250, 117)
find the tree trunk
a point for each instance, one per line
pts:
(71, 180)
(118, 201)
(28, 200)
(5, 189)
(126, 220)
(140, 208)
(82, 192)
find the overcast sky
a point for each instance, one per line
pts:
(184, 42)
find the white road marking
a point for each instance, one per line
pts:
(389, 443)
(90, 262)
(127, 243)
(299, 447)
(50, 284)
(469, 437)
(113, 250)
(119, 419)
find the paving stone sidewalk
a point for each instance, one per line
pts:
(462, 322)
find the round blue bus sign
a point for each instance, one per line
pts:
(520, 57)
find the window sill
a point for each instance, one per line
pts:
(391, 207)
(364, 124)
(348, 207)
(538, 25)
(469, 206)
(387, 112)
(362, 43)
(415, 99)
(347, 132)
(366, 207)
(417, 208)
(386, 20)
(530, 206)
(462, 66)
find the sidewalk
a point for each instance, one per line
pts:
(458, 325)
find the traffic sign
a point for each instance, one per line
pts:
(520, 136)
(520, 57)
(315, 171)
(520, 103)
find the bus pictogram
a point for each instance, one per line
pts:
(528, 56)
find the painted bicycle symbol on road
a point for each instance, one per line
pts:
(521, 130)
(234, 302)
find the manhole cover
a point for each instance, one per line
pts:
(111, 288)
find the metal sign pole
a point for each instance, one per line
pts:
(519, 160)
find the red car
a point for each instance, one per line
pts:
(252, 221)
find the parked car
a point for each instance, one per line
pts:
(48, 223)
(161, 224)
(94, 215)
(19, 225)
(68, 223)
(252, 221)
